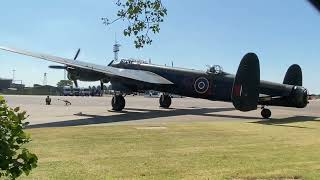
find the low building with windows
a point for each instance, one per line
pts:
(5, 83)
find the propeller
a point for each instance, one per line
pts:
(77, 54)
(110, 63)
(68, 68)
(57, 67)
(75, 58)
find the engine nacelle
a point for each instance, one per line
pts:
(299, 97)
(73, 75)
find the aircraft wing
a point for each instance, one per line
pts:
(144, 76)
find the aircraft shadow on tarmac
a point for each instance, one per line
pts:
(134, 114)
(286, 121)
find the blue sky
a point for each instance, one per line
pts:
(194, 34)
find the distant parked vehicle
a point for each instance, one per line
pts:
(96, 92)
(175, 96)
(152, 94)
(76, 91)
(85, 92)
(67, 91)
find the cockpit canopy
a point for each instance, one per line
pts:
(214, 69)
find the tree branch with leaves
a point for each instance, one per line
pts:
(63, 83)
(14, 158)
(143, 17)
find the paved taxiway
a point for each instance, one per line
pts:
(96, 111)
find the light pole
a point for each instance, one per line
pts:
(44, 79)
(13, 73)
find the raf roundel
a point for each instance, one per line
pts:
(201, 85)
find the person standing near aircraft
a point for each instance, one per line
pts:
(48, 100)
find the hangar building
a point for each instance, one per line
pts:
(5, 83)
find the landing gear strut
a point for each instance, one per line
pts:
(118, 102)
(265, 113)
(165, 101)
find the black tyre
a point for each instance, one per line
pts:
(122, 102)
(165, 101)
(266, 113)
(118, 103)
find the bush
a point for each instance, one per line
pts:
(14, 159)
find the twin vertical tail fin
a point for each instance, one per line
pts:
(293, 76)
(245, 91)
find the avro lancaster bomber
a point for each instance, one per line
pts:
(244, 89)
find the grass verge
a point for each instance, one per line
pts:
(211, 150)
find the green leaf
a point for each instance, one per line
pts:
(141, 16)
(14, 159)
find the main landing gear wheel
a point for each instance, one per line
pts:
(165, 101)
(118, 102)
(266, 113)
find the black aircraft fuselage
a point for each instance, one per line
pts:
(212, 85)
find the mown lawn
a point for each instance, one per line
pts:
(211, 150)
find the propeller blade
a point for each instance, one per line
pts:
(57, 67)
(316, 4)
(75, 83)
(110, 63)
(77, 54)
